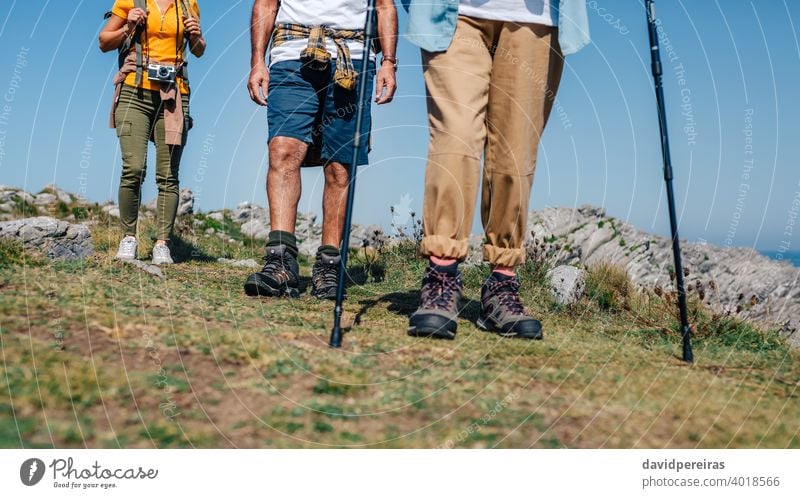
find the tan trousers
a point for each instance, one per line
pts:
(489, 94)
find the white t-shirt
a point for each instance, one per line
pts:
(527, 11)
(338, 14)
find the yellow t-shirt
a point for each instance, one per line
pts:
(159, 42)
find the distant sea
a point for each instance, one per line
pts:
(791, 256)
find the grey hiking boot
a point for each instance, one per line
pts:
(438, 310)
(279, 276)
(325, 276)
(127, 248)
(502, 310)
(161, 255)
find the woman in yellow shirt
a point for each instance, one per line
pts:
(151, 103)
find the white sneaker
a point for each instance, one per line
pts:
(127, 248)
(161, 255)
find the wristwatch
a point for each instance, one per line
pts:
(391, 59)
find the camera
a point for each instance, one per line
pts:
(162, 73)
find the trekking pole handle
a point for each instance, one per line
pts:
(654, 45)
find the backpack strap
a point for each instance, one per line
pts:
(137, 40)
(184, 69)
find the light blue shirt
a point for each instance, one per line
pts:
(431, 24)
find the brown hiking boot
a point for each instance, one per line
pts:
(502, 310)
(325, 276)
(438, 310)
(280, 275)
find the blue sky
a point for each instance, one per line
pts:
(731, 89)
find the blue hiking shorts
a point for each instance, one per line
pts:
(306, 104)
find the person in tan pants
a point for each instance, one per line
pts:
(489, 95)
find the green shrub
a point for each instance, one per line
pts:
(13, 253)
(609, 286)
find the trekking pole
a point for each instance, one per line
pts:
(336, 333)
(686, 331)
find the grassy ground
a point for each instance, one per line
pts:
(100, 354)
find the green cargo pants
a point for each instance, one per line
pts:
(140, 117)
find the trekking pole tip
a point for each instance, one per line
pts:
(336, 338)
(688, 354)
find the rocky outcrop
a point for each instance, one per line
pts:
(111, 209)
(247, 211)
(56, 238)
(14, 200)
(57, 193)
(258, 229)
(185, 202)
(732, 280)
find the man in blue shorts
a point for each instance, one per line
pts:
(310, 90)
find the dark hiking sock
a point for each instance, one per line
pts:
(278, 237)
(499, 277)
(328, 251)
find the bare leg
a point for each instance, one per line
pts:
(283, 181)
(334, 198)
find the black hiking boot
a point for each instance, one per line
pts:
(279, 276)
(502, 311)
(325, 276)
(438, 310)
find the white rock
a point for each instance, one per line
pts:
(246, 211)
(256, 228)
(62, 195)
(241, 263)
(185, 202)
(112, 210)
(154, 270)
(45, 199)
(566, 284)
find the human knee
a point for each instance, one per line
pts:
(336, 175)
(285, 154)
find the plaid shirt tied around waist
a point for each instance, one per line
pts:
(316, 54)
